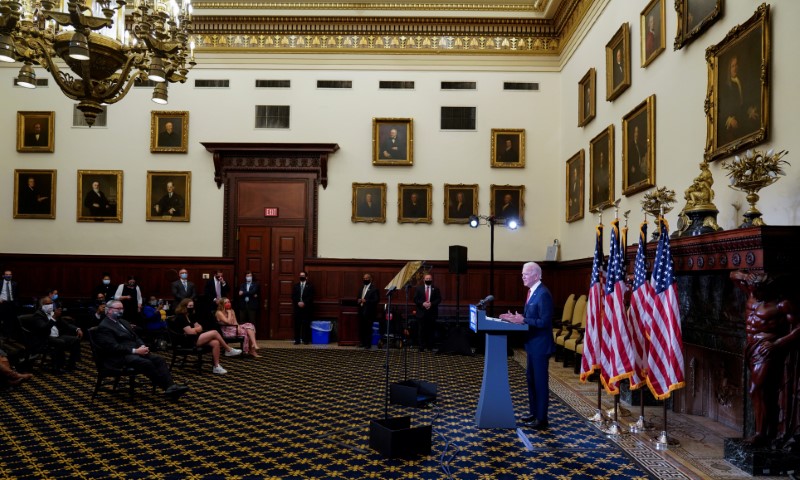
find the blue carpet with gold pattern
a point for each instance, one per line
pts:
(294, 413)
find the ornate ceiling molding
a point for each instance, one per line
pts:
(391, 35)
(520, 6)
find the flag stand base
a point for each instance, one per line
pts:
(641, 426)
(613, 428)
(664, 441)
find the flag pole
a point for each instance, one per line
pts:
(599, 415)
(641, 425)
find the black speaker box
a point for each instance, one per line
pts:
(394, 438)
(458, 259)
(412, 393)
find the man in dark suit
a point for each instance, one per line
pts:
(509, 153)
(216, 288)
(539, 345)
(8, 302)
(369, 207)
(367, 300)
(427, 297)
(36, 137)
(459, 207)
(392, 147)
(183, 288)
(121, 347)
(414, 208)
(509, 209)
(31, 201)
(303, 304)
(619, 69)
(170, 204)
(49, 328)
(169, 137)
(250, 294)
(97, 203)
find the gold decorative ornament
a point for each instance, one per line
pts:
(107, 44)
(699, 215)
(749, 173)
(658, 202)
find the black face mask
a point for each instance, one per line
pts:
(190, 310)
(302, 279)
(428, 282)
(367, 282)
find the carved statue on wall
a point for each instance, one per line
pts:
(700, 195)
(773, 342)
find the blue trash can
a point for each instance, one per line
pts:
(376, 334)
(320, 332)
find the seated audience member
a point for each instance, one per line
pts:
(49, 328)
(121, 347)
(99, 314)
(12, 376)
(195, 335)
(226, 318)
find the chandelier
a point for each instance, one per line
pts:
(106, 46)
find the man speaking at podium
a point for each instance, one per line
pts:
(539, 345)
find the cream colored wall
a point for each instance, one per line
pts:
(343, 117)
(679, 81)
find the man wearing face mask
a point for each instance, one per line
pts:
(303, 303)
(183, 288)
(427, 297)
(105, 287)
(8, 302)
(131, 297)
(249, 297)
(49, 328)
(121, 347)
(367, 300)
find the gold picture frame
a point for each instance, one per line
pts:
(460, 202)
(506, 201)
(738, 98)
(36, 132)
(587, 98)
(601, 170)
(369, 203)
(575, 196)
(392, 141)
(99, 196)
(169, 131)
(618, 63)
(35, 194)
(639, 154)
(694, 18)
(414, 202)
(169, 196)
(508, 148)
(652, 27)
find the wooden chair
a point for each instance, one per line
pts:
(183, 347)
(571, 344)
(566, 316)
(111, 377)
(571, 330)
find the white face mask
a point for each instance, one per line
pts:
(48, 309)
(249, 279)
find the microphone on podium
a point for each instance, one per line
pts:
(486, 300)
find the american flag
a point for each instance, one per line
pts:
(620, 355)
(642, 297)
(665, 356)
(594, 314)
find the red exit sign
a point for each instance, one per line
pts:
(270, 211)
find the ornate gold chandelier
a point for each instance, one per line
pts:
(106, 47)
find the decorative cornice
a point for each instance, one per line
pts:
(390, 35)
(528, 7)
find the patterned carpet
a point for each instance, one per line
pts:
(294, 413)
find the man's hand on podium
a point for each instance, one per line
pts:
(512, 317)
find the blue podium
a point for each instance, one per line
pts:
(495, 409)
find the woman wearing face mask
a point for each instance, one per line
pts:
(106, 288)
(226, 317)
(131, 297)
(184, 322)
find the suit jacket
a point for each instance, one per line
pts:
(40, 326)
(14, 294)
(539, 318)
(369, 310)
(307, 297)
(167, 203)
(115, 342)
(179, 292)
(419, 298)
(252, 293)
(211, 291)
(104, 208)
(32, 141)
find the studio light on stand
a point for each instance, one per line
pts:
(510, 223)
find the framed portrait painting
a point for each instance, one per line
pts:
(601, 170)
(694, 18)
(99, 196)
(414, 203)
(369, 203)
(639, 147)
(36, 132)
(169, 132)
(575, 176)
(169, 196)
(460, 202)
(587, 100)
(508, 148)
(738, 88)
(508, 202)
(35, 194)
(618, 63)
(392, 141)
(651, 25)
